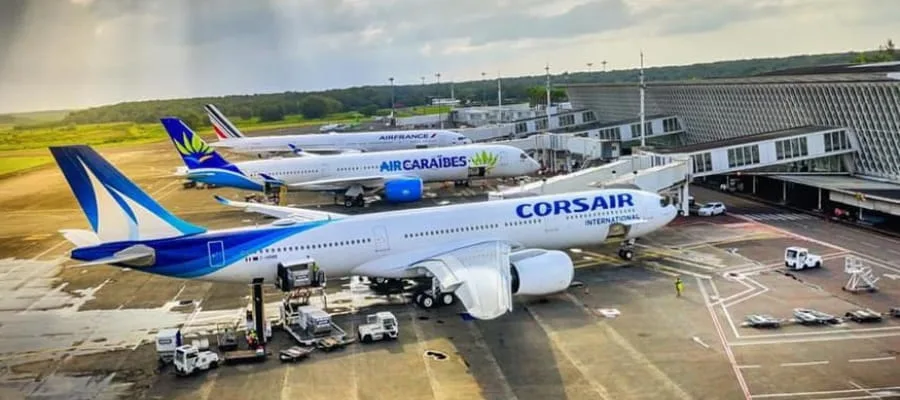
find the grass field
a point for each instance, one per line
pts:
(23, 147)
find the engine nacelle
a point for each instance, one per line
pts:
(403, 190)
(539, 272)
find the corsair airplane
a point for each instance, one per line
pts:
(231, 139)
(483, 253)
(398, 175)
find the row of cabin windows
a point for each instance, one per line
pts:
(298, 172)
(285, 249)
(620, 211)
(472, 228)
(359, 168)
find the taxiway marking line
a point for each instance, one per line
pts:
(858, 386)
(858, 360)
(420, 343)
(554, 338)
(808, 339)
(824, 392)
(803, 364)
(731, 359)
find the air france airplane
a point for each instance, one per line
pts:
(231, 139)
(398, 175)
(481, 254)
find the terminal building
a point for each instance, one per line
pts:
(827, 137)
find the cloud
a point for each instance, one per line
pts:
(74, 53)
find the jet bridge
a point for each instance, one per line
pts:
(648, 172)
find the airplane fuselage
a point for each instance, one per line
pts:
(385, 244)
(429, 165)
(362, 141)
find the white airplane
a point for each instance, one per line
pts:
(231, 139)
(399, 175)
(479, 253)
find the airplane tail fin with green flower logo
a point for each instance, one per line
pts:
(193, 150)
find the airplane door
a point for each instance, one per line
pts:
(549, 226)
(216, 253)
(478, 172)
(380, 236)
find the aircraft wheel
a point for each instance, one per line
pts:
(418, 298)
(626, 255)
(427, 301)
(447, 299)
(348, 202)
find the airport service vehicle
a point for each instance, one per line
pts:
(226, 337)
(895, 312)
(231, 139)
(167, 341)
(379, 326)
(484, 253)
(711, 209)
(863, 316)
(398, 176)
(763, 321)
(808, 316)
(189, 359)
(294, 354)
(798, 258)
(308, 325)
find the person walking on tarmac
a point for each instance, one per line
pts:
(679, 286)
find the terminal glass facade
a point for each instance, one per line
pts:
(866, 104)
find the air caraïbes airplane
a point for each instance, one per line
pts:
(399, 175)
(231, 139)
(480, 253)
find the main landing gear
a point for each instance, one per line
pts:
(626, 251)
(433, 297)
(357, 201)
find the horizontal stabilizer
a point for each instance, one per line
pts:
(137, 256)
(80, 237)
(271, 179)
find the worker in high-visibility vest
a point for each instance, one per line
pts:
(679, 287)
(314, 268)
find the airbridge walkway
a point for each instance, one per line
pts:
(788, 155)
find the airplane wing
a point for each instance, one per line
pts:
(280, 211)
(479, 275)
(476, 271)
(372, 180)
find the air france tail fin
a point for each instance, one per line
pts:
(194, 151)
(223, 127)
(116, 208)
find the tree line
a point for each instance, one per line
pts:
(372, 100)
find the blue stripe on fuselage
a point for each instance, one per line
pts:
(188, 256)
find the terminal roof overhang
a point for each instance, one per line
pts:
(748, 139)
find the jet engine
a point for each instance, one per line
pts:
(403, 190)
(540, 272)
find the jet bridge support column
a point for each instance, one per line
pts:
(684, 195)
(783, 192)
(258, 313)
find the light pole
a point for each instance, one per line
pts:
(643, 141)
(482, 90)
(547, 68)
(440, 114)
(392, 101)
(589, 65)
(604, 65)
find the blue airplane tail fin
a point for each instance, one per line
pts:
(193, 150)
(116, 208)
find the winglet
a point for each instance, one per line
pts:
(222, 200)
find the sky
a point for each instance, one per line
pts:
(69, 54)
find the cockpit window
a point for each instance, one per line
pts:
(523, 156)
(664, 201)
